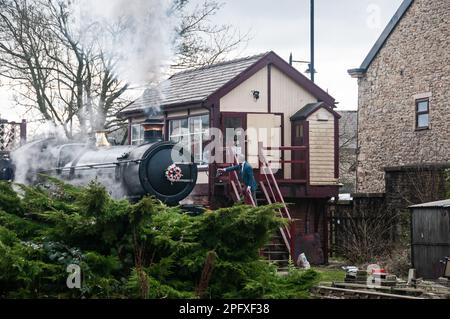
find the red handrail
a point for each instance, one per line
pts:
(236, 183)
(277, 196)
(270, 190)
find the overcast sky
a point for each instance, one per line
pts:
(345, 32)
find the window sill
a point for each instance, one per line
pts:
(420, 129)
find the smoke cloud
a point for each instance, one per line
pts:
(137, 38)
(136, 34)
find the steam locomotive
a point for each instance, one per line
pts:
(130, 171)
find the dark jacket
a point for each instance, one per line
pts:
(246, 174)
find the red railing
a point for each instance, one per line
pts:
(272, 192)
(299, 162)
(235, 183)
(269, 184)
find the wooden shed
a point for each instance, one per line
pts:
(430, 238)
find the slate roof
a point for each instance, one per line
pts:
(306, 111)
(309, 109)
(383, 38)
(192, 86)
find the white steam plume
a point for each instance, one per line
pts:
(137, 34)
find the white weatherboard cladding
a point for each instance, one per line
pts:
(241, 98)
(322, 148)
(287, 97)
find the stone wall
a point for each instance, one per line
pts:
(405, 186)
(411, 185)
(414, 62)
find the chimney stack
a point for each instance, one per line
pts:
(101, 140)
(153, 131)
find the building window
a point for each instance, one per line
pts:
(137, 134)
(194, 132)
(422, 114)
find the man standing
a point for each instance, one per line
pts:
(245, 171)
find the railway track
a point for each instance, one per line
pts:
(327, 292)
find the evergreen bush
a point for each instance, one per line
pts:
(141, 250)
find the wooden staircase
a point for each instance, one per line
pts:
(279, 250)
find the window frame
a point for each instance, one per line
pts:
(140, 139)
(191, 134)
(419, 113)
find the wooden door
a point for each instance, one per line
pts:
(300, 137)
(233, 129)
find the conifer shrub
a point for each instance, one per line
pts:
(134, 250)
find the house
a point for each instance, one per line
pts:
(404, 95)
(253, 96)
(403, 111)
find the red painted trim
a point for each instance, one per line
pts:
(292, 142)
(311, 112)
(270, 59)
(215, 122)
(336, 148)
(129, 114)
(302, 190)
(269, 88)
(280, 175)
(308, 161)
(325, 223)
(304, 147)
(238, 113)
(287, 148)
(190, 104)
(283, 66)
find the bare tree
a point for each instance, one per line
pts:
(201, 42)
(65, 80)
(426, 184)
(347, 150)
(364, 237)
(74, 83)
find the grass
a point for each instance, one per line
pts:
(330, 275)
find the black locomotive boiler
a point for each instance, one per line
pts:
(130, 171)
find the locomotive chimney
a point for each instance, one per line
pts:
(153, 131)
(101, 140)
